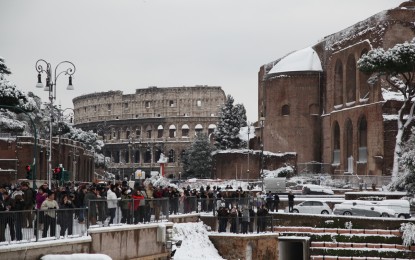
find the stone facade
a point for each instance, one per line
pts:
(332, 115)
(234, 164)
(137, 128)
(17, 152)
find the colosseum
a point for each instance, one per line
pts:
(319, 105)
(137, 128)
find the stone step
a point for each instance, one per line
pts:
(360, 245)
(327, 257)
(337, 230)
(353, 253)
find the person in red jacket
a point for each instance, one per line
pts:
(138, 206)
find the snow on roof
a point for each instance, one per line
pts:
(302, 60)
(392, 95)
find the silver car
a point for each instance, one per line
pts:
(362, 208)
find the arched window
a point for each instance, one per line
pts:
(363, 85)
(172, 131)
(185, 130)
(349, 146)
(351, 79)
(198, 128)
(363, 140)
(336, 143)
(338, 83)
(172, 156)
(160, 131)
(211, 128)
(147, 155)
(148, 131)
(137, 156)
(157, 155)
(285, 110)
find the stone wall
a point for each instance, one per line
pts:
(246, 247)
(234, 164)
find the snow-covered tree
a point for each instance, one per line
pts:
(397, 67)
(4, 70)
(197, 161)
(406, 180)
(232, 118)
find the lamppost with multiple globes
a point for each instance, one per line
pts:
(42, 66)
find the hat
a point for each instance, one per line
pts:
(50, 192)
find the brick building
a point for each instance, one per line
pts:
(137, 128)
(17, 152)
(316, 103)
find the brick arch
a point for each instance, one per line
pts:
(351, 78)
(348, 141)
(285, 110)
(363, 85)
(362, 138)
(336, 142)
(338, 83)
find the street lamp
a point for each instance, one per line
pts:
(262, 120)
(248, 132)
(43, 66)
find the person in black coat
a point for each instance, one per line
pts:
(223, 214)
(262, 218)
(65, 215)
(290, 201)
(6, 205)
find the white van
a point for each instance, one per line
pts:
(401, 207)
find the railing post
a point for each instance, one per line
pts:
(37, 225)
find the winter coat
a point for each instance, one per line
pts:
(137, 200)
(65, 216)
(40, 198)
(50, 206)
(245, 215)
(111, 199)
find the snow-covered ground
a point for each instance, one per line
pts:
(195, 242)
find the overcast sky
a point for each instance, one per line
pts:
(130, 44)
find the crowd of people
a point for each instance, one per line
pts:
(46, 208)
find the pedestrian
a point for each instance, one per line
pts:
(270, 200)
(234, 219)
(138, 206)
(290, 201)
(18, 208)
(276, 202)
(28, 198)
(245, 219)
(262, 215)
(6, 216)
(223, 214)
(90, 202)
(112, 203)
(125, 205)
(49, 207)
(65, 215)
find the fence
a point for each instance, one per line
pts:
(39, 225)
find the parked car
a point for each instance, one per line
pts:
(401, 207)
(316, 190)
(311, 207)
(362, 208)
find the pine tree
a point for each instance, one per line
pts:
(397, 67)
(231, 120)
(3, 68)
(197, 161)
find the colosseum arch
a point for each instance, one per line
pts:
(185, 130)
(348, 141)
(338, 83)
(160, 131)
(351, 79)
(149, 131)
(362, 132)
(336, 142)
(363, 78)
(172, 131)
(198, 129)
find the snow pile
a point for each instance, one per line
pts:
(195, 242)
(392, 95)
(280, 172)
